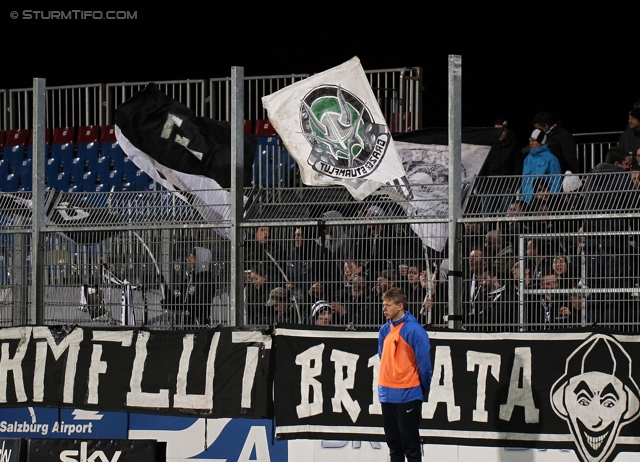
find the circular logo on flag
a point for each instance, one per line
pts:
(345, 141)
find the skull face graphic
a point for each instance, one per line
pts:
(597, 396)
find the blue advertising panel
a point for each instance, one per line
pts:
(211, 439)
(40, 422)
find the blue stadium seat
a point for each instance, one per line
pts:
(87, 145)
(51, 167)
(273, 166)
(60, 181)
(128, 168)
(76, 170)
(25, 174)
(88, 182)
(92, 162)
(11, 184)
(62, 147)
(4, 168)
(75, 188)
(141, 179)
(108, 144)
(102, 167)
(114, 179)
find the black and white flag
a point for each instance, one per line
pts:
(425, 157)
(186, 154)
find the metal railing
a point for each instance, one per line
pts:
(592, 147)
(554, 259)
(398, 91)
(66, 106)
(254, 89)
(191, 93)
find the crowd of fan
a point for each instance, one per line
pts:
(586, 268)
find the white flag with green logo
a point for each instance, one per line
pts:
(333, 127)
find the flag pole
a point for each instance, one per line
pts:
(236, 298)
(455, 195)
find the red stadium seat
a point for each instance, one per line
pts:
(63, 135)
(108, 134)
(16, 137)
(264, 128)
(88, 134)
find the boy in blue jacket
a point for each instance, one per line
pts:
(405, 376)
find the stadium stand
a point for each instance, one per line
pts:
(14, 147)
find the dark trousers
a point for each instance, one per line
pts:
(402, 430)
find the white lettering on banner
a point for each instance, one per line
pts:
(98, 366)
(375, 408)
(136, 397)
(68, 455)
(260, 342)
(71, 344)
(186, 401)
(23, 427)
(344, 379)
(311, 362)
(70, 429)
(442, 393)
(5, 454)
(13, 364)
(167, 129)
(257, 438)
(521, 395)
(484, 361)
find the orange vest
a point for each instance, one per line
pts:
(398, 367)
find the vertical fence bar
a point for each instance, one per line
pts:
(236, 315)
(37, 220)
(455, 156)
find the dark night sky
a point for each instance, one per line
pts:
(584, 71)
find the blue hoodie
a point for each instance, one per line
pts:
(540, 162)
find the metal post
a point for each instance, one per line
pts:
(455, 194)
(36, 305)
(236, 298)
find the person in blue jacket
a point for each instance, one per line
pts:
(540, 162)
(404, 378)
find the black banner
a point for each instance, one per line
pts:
(547, 390)
(13, 450)
(210, 372)
(47, 450)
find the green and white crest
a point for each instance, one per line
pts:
(345, 140)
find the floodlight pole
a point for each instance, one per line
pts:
(455, 194)
(236, 295)
(36, 301)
